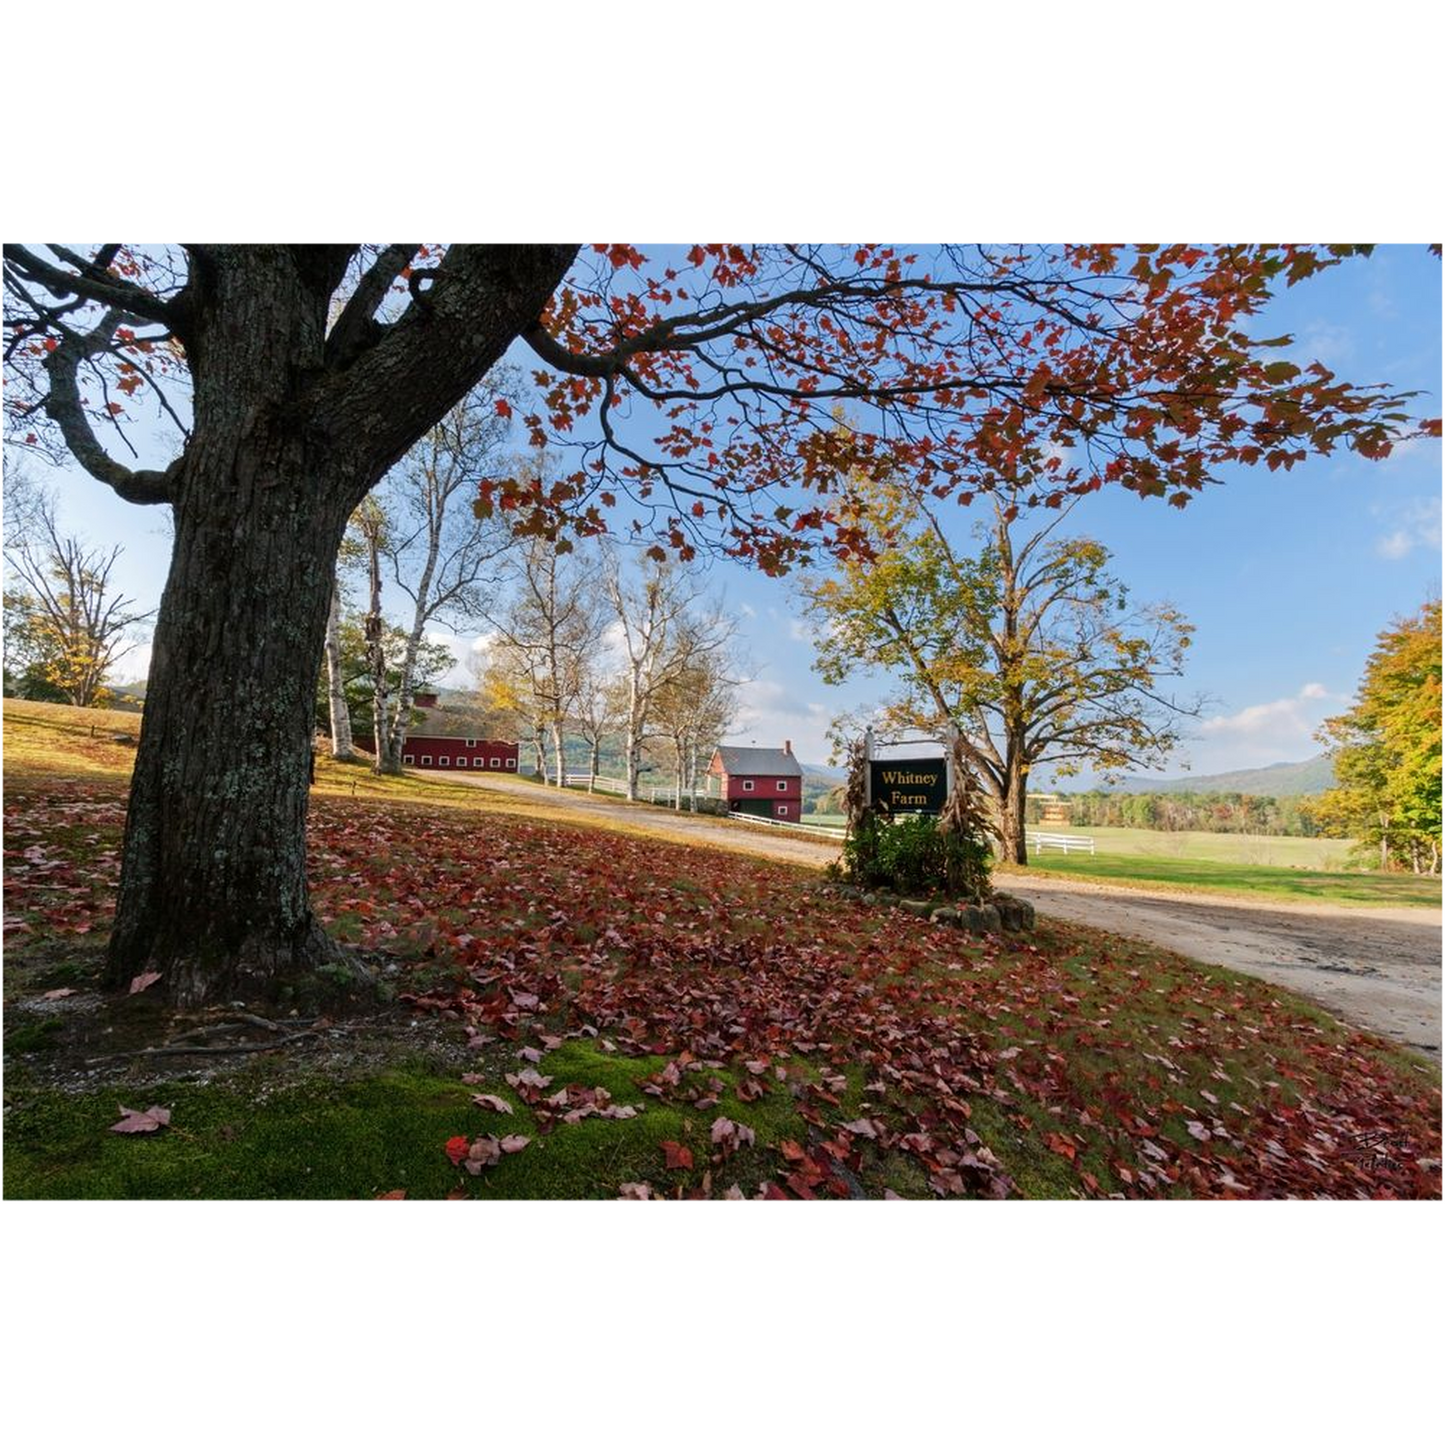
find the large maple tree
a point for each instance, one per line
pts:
(724, 392)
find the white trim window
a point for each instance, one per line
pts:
(782, 785)
(496, 762)
(426, 760)
(747, 785)
(443, 762)
(409, 760)
(782, 810)
(471, 742)
(512, 764)
(479, 762)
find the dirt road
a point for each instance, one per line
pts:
(1378, 968)
(757, 839)
(1375, 968)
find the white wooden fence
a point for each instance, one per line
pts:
(1064, 842)
(669, 795)
(601, 784)
(824, 832)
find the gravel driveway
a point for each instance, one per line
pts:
(1375, 968)
(1378, 968)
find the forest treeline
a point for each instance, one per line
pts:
(1288, 817)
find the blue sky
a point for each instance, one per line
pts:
(1287, 577)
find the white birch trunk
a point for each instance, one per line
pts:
(341, 744)
(557, 758)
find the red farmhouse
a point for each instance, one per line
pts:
(447, 743)
(766, 782)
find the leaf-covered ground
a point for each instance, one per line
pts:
(607, 1015)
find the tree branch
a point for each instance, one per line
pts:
(480, 298)
(355, 328)
(90, 280)
(64, 407)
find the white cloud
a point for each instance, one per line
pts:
(1416, 524)
(770, 713)
(135, 666)
(1325, 343)
(1280, 718)
(1281, 730)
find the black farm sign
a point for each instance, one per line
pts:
(908, 785)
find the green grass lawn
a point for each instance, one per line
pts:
(1329, 854)
(1380, 890)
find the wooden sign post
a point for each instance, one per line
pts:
(906, 785)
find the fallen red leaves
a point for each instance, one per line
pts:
(141, 1121)
(1098, 1065)
(676, 1156)
(740, 984)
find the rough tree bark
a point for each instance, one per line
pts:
(213, 888)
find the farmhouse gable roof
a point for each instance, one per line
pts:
(758, 762)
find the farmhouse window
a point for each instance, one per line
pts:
(496, 762)
(471, 742)
(408, 760)
(782, 786)
(426, 760)
(479, 762)
(782, 810)
(511, 762)
(747, 785)
(443, 762)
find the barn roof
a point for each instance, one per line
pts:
(759, 762)
(452, 722)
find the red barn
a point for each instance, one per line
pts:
(459, 752)
(766, 782)
(451, 738)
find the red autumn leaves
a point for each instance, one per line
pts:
(485, 1151)
(893, 1046)
(141, 1121)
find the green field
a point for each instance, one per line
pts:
(1303, 869)
(1329, 854)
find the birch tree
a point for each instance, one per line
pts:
(649, 605)
(597, 710)
(695, 701)
(441, 555)
(547, 634)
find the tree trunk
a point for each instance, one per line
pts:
(400, 722)
(1013, 842)
(341, 744)
(596, 758)
(557, 757)
(632, 743)
(283, 445)
(375, 626)
(213, 885)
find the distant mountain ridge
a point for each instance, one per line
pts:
(1278, 780)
